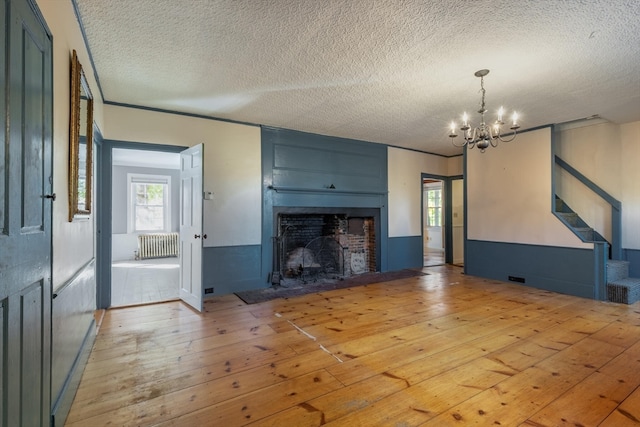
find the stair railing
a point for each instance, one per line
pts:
(616, 206)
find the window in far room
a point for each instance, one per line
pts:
(149, 204)
(434, 207)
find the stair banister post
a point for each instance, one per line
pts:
(600, 251)
(616, 232)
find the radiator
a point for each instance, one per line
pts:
(158, 245)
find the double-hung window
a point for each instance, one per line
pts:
(434, 207)
(149, 203)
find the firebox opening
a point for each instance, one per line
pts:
(316, 247)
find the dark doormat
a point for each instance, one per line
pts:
(267, 294)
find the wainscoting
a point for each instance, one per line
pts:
(566, 270)
(633, 256)
(73, 334)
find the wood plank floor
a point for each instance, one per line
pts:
(145, 281)
(442, 349)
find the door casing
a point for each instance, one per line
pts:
(448, 214)
(104, 204)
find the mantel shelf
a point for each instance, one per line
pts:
(322, 190)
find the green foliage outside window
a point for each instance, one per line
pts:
(434, 208)
(149, 206)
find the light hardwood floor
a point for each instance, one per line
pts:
(442, 349)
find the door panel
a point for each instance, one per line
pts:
(32, 141)
(32, 311)
(25, 237)
(191, 290)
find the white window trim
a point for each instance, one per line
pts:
(152, 179)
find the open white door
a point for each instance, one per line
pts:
(191, 290)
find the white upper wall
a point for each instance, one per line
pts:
(509, 194)
(608, 154)
(405, 169)
(455, 166)
(232, 166)
(630, 184)
(595, 152)
(73, 242)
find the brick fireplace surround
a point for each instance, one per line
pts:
(318, 246)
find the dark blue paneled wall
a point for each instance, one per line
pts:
(405, 252)
(303, 170)
(566, 270)
(633, 256)
(73, 334)
(231, 268)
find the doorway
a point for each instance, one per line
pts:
(433, 222)
(443, 222)
(105, 209)
(144, 211)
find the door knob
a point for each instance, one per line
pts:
(204, 236)
(50, 196)
(197, 236)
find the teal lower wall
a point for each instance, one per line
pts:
(405, 252)
(73, 334)
(230, 269)
(565, 270)
(633, 256)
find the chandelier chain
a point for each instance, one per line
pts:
(483, 92)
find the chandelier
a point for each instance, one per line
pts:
(483, 135)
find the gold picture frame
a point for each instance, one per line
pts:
(80, 143)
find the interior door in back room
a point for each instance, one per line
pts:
(25, 217)
(191, 170)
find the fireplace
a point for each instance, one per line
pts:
(323, 244)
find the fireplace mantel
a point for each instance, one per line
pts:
(323, 190)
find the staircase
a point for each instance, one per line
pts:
(620, 287)
(575, 223)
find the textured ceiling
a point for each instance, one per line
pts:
(387, 71)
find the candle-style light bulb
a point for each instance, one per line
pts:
(515, 119)
(453, 128)
(500, 114)
(465, 119)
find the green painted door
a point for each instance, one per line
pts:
(25, 217)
